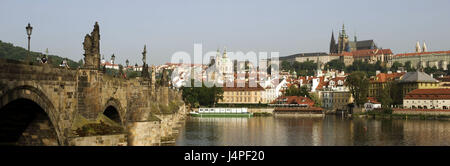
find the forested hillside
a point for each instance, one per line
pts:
(9, 51)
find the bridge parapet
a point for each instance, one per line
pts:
(66, 93)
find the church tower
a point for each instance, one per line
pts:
(332, 44)
(424, 47)
(418, 49)
(343, 45)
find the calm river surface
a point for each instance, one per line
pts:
(297, 131)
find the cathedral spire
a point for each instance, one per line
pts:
(343, 30)
(332, 43)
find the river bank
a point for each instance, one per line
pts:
(376, 115)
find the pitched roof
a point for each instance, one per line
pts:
(373, 100)
(384, 77)
(372, 52)
(444, 79)
(432, 94)
(417, 76)
(365, 44)
(293, 100)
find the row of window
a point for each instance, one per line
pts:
(425, 107)
(241, 99)
(335, 101)
(240, 93)
(431, 101)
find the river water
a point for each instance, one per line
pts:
(300, 131)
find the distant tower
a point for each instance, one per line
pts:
(319, 69)
(418, 49)
(113, 57)
(424, 48)
(343, 41)
(332, 44)
(225, 52)
(103, 59)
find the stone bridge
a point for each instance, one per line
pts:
(44, 105)
(41, 105)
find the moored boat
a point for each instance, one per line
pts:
(221, 112)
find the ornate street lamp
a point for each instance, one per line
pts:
(29, 30)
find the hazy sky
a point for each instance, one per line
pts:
(168, 26)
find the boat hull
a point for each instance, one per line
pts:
(244, 115)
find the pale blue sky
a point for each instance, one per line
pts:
(168, 26)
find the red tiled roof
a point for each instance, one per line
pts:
(372, 100)
(373, 52)
(109, 64)
(294, 100)
(384, 77)
(431, 94)
(336, 79)
(422, 53)
(443, 79)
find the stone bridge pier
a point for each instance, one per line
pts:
(42, 105)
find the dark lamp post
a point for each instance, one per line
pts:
(29, 29)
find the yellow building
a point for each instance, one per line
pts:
(341, 100)
(380, 81)
(417, 80)
(243, 95)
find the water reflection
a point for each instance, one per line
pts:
(302, 131)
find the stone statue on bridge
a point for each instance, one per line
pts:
(145, 73)
(91, 46)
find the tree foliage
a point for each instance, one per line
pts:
(202, 96)
(369, 69)
(301, 68)
(335, 64)
(9, 51)
(295, 91)
(358, 83)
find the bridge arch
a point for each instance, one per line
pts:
(32, 113)
(113, 110)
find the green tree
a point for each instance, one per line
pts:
(395, 66)
(294, 91)
(335, 64)
(358, 84)
(396, 92)
(408, 66)
(202, 96)
(385, 97)
(314, 97)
